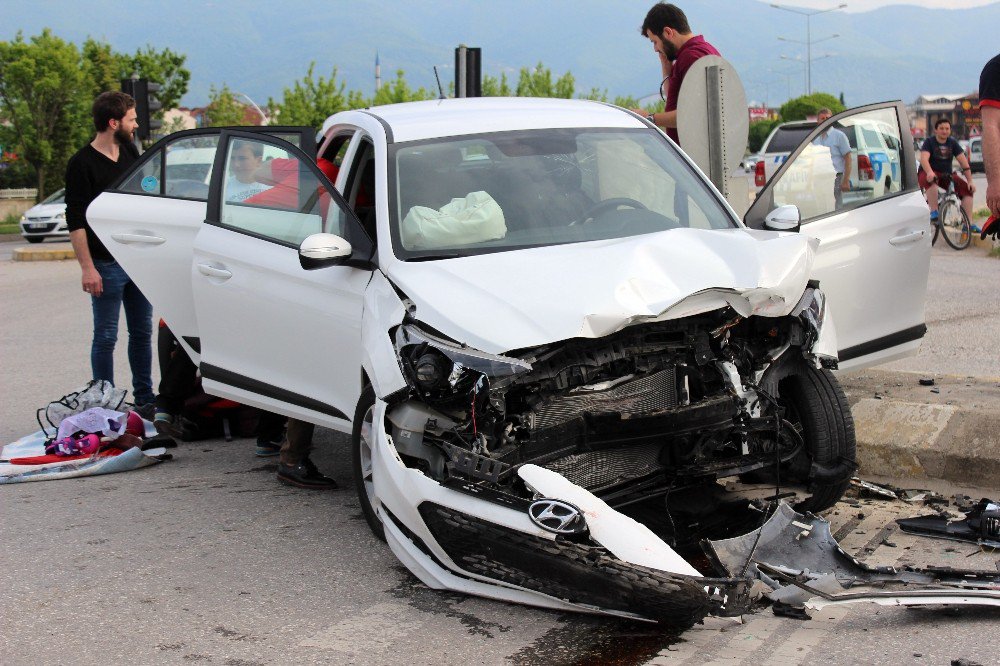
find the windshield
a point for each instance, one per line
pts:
(511, 190)
(56, 197)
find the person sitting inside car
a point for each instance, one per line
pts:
(244, 161)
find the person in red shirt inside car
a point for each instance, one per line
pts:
(666, 26)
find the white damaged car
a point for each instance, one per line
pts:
(550, 338)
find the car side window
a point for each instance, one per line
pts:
(271, 193)
(180, 169)
(851, 164)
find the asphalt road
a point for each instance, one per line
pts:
(206, 558)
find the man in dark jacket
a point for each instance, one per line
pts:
(89, 172)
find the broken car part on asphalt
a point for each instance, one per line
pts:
(796, 555)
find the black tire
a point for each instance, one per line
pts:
(936, 230)
(955, 225)
(31, 239)
(361, 463)
(818, 408)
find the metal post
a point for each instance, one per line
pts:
(809, 57)
(460, 71)
(716, 147)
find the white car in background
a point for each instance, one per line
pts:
(547, 334)
(46, 219)
(976, 155)
(778, 145)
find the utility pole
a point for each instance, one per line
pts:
(809, 41)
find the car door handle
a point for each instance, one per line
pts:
(212, 271)
(911, 237)
(129, 239)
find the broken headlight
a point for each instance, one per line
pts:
(811, 310)
(438, 368)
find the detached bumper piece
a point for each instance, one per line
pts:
(798, 557)
(579, 572)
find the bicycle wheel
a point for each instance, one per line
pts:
(955, 225)
(935, 230)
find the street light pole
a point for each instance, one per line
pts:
(808, 14)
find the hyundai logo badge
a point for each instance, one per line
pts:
(557, 516)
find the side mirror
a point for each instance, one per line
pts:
(783, 218)
(322, 250)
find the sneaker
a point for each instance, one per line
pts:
(934, 216)
(267, 449)
(166, 424)
(974, 228)
(305, 475)
(146, 410)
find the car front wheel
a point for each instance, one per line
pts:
(818, 409)
(362, 444)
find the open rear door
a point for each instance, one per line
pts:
(149, 218)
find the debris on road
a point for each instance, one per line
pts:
(808, 569)
(981, 525)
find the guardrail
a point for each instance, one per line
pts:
(23, 193)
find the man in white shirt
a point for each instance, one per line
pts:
(244, 160)
(840, 154)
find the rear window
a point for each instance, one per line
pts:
(787, 139)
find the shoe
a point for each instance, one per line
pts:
(934, 216)
(267, 449)
(146, 411)
(166, 424)
(305, 475)
(974, 228)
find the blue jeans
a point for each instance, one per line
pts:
(118, 290)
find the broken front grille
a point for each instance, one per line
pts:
(645, 395)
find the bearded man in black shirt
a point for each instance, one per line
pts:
(89, 172)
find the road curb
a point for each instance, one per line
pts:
(948, 431)
(42, 253)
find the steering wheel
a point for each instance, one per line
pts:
(610, 204)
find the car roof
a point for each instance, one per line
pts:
(414, 121)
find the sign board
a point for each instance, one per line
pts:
(758, 113)
(712, 121)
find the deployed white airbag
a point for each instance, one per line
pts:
(472, 219)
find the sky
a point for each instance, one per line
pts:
(868, 5)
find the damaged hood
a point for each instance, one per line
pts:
(525, 298)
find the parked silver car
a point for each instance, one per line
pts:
(46, 219)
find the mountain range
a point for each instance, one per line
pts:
(896, 52)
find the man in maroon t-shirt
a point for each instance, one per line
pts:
(667, 28)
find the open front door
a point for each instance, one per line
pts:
(149, 218)
(874, 233)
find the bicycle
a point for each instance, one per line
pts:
(952, 219)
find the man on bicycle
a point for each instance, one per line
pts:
(936, 154)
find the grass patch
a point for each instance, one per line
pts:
(983, 212)
(10, 224)
(995, 252)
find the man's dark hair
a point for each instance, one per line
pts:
(664, 15)
(111, 105)
(940, 121)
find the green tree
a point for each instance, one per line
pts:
(311, 100)
(759, 129)
(44, 95)
(494, 87)
(398, 90)
(538, 82)
(802, 107)
(223, 108)
(164, 67)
